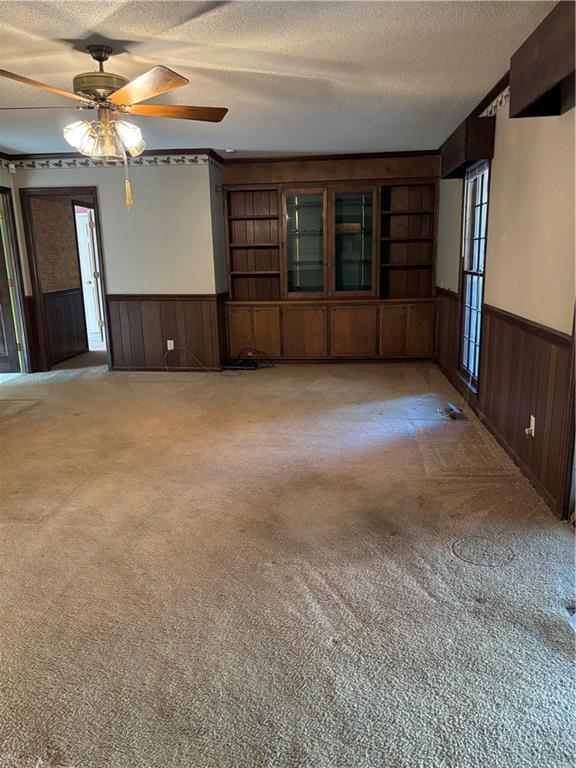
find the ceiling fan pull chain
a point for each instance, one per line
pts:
(127, 185)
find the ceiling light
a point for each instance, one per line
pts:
(108, 140)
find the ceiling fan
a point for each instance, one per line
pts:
(111, 138)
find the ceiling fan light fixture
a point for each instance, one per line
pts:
(76, 133)
(131, 137)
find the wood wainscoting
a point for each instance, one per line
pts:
(141, 325)
(525, 369)
(65, 324)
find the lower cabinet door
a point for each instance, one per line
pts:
(266, 321)
(240, 333)
(420, 330)
(393, 318)
(353, 331)
(304, 332)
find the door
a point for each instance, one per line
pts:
(393, 320)
(353, 331)
(353, 231)
(9, 362)
(90, 273)
(420, 330)
(304, 332)
(305, 243)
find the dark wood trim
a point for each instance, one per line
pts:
(299, 171)
(542, 331)
(38, 327)
(542, 64)
(352, 156)
(449, 294)
(16, 256)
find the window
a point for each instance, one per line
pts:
(473, 256)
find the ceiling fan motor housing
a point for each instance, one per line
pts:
(98, 85)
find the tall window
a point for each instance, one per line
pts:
(473, 256)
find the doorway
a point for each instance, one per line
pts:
(85, 220)
(11, 347)
(62, 231)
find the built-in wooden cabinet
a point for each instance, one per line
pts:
(353, 331)
(254, 328)
(304, 331)
(342, 269)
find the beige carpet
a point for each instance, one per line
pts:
(303, 567)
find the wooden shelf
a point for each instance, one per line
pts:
(409, 213)
(254, 272)
(253, 245)
(406, 239)
(426, 265)
(255, 217)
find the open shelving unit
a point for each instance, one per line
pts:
(407, 241)
(253, 244)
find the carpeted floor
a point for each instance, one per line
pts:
(304, 567)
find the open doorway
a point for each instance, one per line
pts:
(12, 348)
(64, 248)
(90, 275)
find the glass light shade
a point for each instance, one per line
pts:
(131, 137)
(75, 133)
(106, 140)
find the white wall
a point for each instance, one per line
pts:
(530, 242)
(449, 234)
(164, 243)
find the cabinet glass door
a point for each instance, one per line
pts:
(353, 241)
(305, 242)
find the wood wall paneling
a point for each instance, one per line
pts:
(304, 331)
(525, 369)
(65, 324)
(140, 327)
(353, 331)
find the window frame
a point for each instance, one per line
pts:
(468, 239)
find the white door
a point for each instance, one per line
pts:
(91, 280)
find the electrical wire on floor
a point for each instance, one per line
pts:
(260, 360)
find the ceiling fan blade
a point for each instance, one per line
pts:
(207, 114)
(152, 83)
(8, 109)
(43, 86)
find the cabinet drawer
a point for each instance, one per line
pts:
(353, 331)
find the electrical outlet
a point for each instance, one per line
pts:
(169, 344)
(531, 430)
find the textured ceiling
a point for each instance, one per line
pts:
(297, 76)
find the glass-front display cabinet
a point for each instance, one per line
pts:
(329, 242)
(305, 242)
(353, 259)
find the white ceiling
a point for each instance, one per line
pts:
(305, 77)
